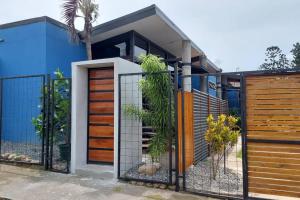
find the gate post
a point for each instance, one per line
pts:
(47, 116)
(1, 84)
(244, 137)
(177, 188)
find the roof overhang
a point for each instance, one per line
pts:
(153, 24)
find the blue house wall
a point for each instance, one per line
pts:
(60, 51)
(31, 49)
(196, 84)
(23, 51)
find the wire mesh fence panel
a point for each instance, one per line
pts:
(145, 114)
(214, 174)
(22, 119)
(60, 125)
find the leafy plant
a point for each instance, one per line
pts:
(156, 89)
(86, 10)
(220, 133)
(61, 109)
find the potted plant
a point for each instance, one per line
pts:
(60, 105)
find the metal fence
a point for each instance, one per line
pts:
(199, 175)
(146, 106)
(22, 122)
(60, 125)
(35, 121)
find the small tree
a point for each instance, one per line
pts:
(296, 55)
(61, 109)
(275, 60)
(88, 11)
(156, 89)
(220, 134)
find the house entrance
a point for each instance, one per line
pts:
(101, 115)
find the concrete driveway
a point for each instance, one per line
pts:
(32, 184)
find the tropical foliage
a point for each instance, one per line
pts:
(86, 10)
(156, 90)
(220, 134)
(61, 106)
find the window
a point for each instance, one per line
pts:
(156, 51)
(122, 49)
(138, 51)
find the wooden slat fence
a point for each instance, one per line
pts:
(197, 106)
(273, 134)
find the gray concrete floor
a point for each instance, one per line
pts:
(33, 184)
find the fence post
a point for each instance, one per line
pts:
(244, 137)
(177, 186)
(1, 87)
(47, 122)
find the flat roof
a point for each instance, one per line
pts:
(150, 22)
(33, 20)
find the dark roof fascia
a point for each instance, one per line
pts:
(126, 19)
(33, 20)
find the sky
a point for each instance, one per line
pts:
(234, 34)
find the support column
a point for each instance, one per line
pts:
(204, 79)
(186, 69)
(203, 84)
(219, 86)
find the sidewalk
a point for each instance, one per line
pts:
(18, 183)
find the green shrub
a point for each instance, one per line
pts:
(156, 90)
(220, 133)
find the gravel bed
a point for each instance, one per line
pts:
(162, 175)
(199, 178)
(33, 151)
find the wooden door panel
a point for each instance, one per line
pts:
(101, 116)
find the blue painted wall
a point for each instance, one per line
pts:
(233, 96)
(60, 51)
(31, 49)
(196, 84)
(23, 51)
(211, 91)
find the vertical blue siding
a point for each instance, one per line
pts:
(23, 51)
(60, 51)
(31, 49)
(211, 91)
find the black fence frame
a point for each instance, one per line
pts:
(47, 110)
(170, 170)
(51, 124)
(44, 110)
(245, 139)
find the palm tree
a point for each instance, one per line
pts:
(88, 11)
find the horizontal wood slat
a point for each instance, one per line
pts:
(101, 96)
(101, 115)
(101, 119)
(274, 171)
(101, 143)
(101, 155)
(273, 113)
(101, 131)
(101, 73)
(101, 107)
(273, 192)
(266, 174)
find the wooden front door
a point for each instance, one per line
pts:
(101, 115)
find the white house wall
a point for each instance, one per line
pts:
(79, 110)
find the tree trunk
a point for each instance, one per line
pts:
(88, 46)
